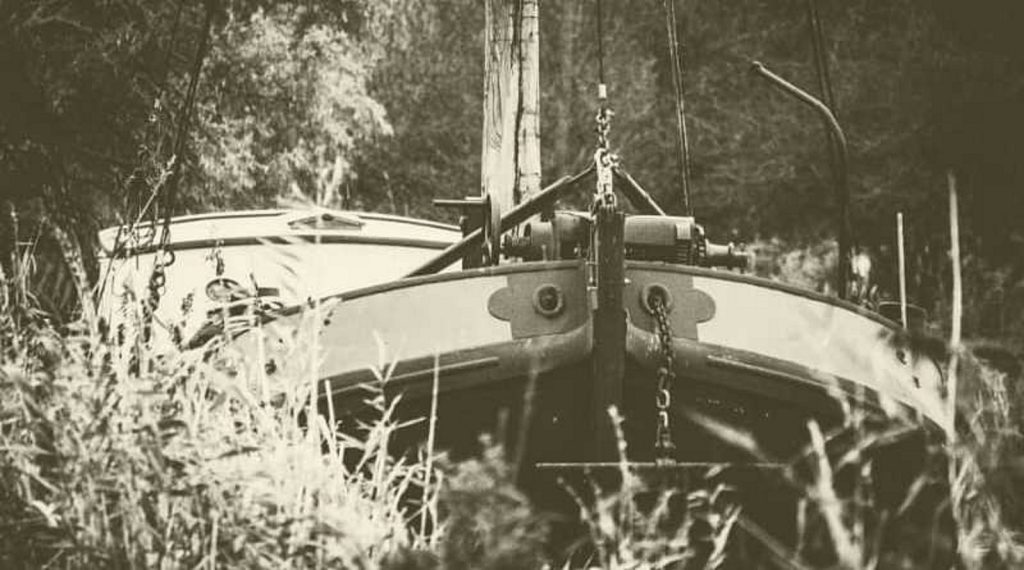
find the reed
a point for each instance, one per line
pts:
(104, 463)
(117, 454)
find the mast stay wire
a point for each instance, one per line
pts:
(682, 139)
(821, 57)
(604, 112)
(834, 146)
(602, 92)
(185, 113)
(164, 257)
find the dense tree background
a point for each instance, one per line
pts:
(377, 105)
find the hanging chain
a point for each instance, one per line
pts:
(604, 159)
(603, 118)
(163, 257)
(604, 202)
(605, 163)
(664, 448)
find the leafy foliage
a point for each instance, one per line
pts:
(286, 109)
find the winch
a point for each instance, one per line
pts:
(670, 239)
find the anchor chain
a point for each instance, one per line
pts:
(664, 447)
(163, 258)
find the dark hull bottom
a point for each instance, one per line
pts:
(542, 424)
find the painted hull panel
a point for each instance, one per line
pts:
(751, 328)
(510, 350)
(822, 337)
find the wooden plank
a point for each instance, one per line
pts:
(510, 159)
(528, 160)
(608, 356)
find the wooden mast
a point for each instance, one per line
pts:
(510, 160)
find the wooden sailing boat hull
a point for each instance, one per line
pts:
(484, 326)
(510, 348)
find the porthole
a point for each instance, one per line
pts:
(549, 300)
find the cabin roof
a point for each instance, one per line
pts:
(285, 223)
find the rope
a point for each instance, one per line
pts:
(677, 83)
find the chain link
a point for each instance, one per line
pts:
(604, 124)
(604, 159)
(605, 162)
(664, 448)
(163, 257)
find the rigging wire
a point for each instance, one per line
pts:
(163, 256)
(604, 112)
(135, 184)
(602, 90)
(169, 54)
(836, 157)
(186, 112)
(821, 57)
(682, 140)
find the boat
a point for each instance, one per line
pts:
(533, 322)
(212, 261)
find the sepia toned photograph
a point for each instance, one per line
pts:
(512, 284)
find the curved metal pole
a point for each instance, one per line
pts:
(840, 162)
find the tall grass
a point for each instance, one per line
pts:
(115, 457)
(170, 467)
(117, 453)
(989, 457)
(114, 454)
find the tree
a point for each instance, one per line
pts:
(285, 109)
(97, 127)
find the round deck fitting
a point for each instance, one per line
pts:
(655, 291)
